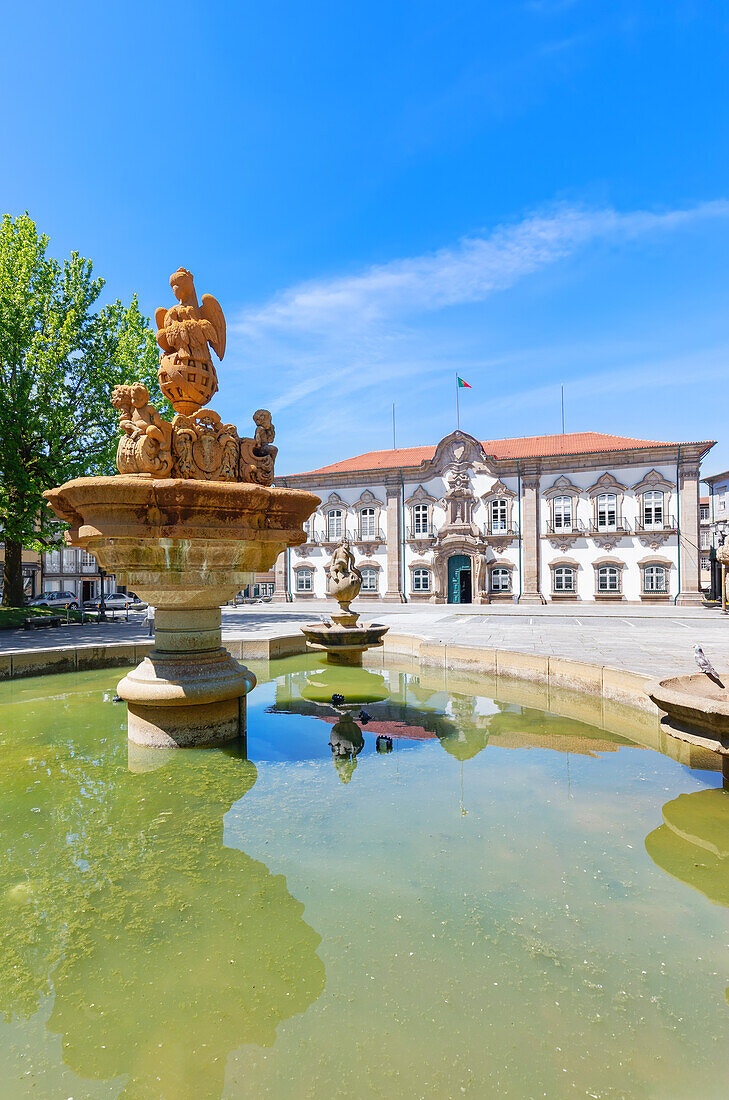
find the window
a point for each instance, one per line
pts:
(564, 578)
(69, 561)
(369, 579)
(53, 561)
(367, 523)
(607, 512)
(499, 513)
(563, 513)
(704, 511)
(88, 562)
(421, 578)
(334, 524)
(420, 519)
(705, 537)
(307, 529)
(304, 580)
(501, 579)
(721, 498)
(705, 563)
(608, 578)
(653, 508)
(654, 578)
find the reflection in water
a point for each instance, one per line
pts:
(165, 949)
(357, 685)
(692, 845)
(346, 742)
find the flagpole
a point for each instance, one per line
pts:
(458, 411)
(394, 447)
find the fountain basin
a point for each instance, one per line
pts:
(344, 645)
(186, 546)
(694, 703)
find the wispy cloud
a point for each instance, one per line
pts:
(357, 319)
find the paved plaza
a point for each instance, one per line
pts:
(651, 640)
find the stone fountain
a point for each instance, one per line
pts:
(344, 639)
(188, 520)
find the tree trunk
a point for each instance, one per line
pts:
(13, 578)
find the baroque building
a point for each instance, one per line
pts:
(575, 517)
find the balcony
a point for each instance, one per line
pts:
(421, 534)
(618, 526)
(500, 531)
(663, 526)
(573, 530)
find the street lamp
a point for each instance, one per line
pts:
(102, 604)
(722, 530)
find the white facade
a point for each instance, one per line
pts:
(617, 521)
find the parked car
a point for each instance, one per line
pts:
(116, 601)
(56, 601)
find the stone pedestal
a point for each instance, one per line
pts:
(186, 547)
(189, 692)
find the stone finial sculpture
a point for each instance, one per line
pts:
(186, 333)
(345, 580)
(344, 639)
(196, 444)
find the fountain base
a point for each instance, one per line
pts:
(189, 692)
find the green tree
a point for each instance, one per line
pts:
(60, 357)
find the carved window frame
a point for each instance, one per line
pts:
(562, 487)
(609, 593)
(499, 492)
(653, 482)
(421, 496)
(299, 570)
(651, 562)
(421, 593)
(564, 593)
(608, 485)
(367, 500)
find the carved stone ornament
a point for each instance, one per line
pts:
(654, 540)
(196, 444)
(345, 579)
(564, 541)
(608, 541)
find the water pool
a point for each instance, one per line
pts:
(507, 904)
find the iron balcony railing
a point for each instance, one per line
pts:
(575, 528)
(368, 536)
(667, 523)
(500, 531)
(617, 526)
(415, 534)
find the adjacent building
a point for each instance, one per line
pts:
(76, 571)
(561, 518)
(31, 567)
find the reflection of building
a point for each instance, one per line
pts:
(571, 517)
(31, 566)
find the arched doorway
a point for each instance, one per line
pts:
(459, 579)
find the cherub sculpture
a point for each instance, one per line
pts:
(186, 332)
(146, 445)
(258, 455)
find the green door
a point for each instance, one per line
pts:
(459, 579)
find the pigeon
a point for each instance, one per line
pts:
(364, 717)
(704, 663)
(326, 621)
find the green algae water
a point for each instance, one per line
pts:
(442, 891)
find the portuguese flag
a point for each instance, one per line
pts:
(462, 385)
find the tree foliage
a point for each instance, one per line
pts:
(60, 357)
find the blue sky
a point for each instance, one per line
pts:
(528, 192)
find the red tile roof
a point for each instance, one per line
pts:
(534, 446)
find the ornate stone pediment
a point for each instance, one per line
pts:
(498, 489)
(653, 480)
(457, 451)
(605, 484)
(562, 487)
(333, 501)
(366, 500)
(421, 496)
